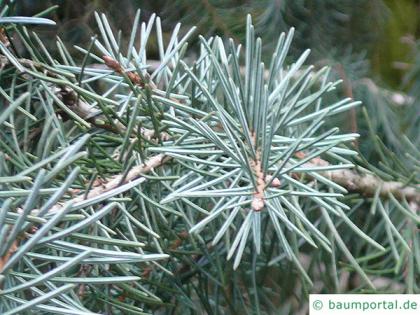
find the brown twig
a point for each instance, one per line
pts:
(365, 183)
(258, 199)
(115, 65)
(12, 249)
(368, 184)
(117, 180)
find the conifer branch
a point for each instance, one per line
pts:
(366, 184)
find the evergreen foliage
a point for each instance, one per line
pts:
(206, 179)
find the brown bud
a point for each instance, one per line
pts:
(300, 155)
(257, 204)
(112, 63)
(275, 183)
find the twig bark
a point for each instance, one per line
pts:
(116, 181)
(368, 184)
(8, 254)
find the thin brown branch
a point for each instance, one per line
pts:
(367, 184)
(117, 180)
(13, 248)
(262, 179)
